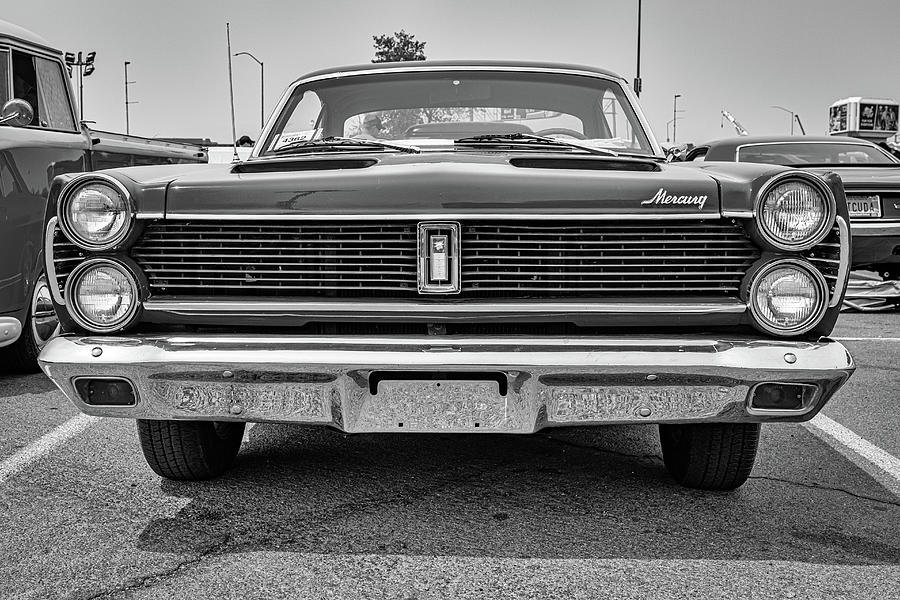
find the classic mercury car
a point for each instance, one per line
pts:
(41, 138)
(871, 178)
(462, 247)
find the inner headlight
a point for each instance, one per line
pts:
(103, 295)
(795, 213)
(96, 214)
(788, 297)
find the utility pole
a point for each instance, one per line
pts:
(85, 64)
(262, 89)
(675, 112)
(127, 102)
(638, 84)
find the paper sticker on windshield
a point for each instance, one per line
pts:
(293, 137)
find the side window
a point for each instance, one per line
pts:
(53, 95)
(40, 82)
(4, 76)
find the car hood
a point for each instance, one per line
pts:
(436, 184)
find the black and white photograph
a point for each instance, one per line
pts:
(427, 299)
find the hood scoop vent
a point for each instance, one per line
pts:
(584, 163)
(287, 166)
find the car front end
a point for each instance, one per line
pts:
(504, 285)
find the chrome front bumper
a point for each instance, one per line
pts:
(452, 384)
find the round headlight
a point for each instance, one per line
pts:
(103, 295)
(788, 297)
(96, 214)
(795, 213)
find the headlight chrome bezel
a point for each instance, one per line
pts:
(810, 322)
(74, 306)
(67, 194)
(820, 233)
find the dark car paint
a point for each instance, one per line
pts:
(442, 183)
(870, 249)
(30, 158)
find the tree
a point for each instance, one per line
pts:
(398, 47)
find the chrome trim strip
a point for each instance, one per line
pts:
(442, 216)
(553, 381)
(876, 227)
(845, 257)
(629, 93)
(150, 215)
(244, 307)
(10, 330)
(739, 214)
(49, 265)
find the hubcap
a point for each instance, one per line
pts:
(44, 322)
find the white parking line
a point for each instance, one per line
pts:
(879, 464)
(44, 445)
(867, 339)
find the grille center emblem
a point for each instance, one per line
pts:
(438, 258)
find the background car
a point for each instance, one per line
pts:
(871, 177)
(40, 138)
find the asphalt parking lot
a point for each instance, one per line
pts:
(310, 512)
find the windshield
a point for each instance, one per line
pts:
(436, 107)
(814, 154)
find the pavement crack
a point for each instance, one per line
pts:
(826, 487)
(148, 581)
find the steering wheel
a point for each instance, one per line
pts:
(561, 131)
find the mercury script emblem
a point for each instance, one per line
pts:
(663, 197)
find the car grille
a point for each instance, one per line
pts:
(512, 259)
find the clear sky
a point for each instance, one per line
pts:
(742, 55)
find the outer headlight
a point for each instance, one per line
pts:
(95, 212)
(795, 212)
(788, 297)
(102, 295)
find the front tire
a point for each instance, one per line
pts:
(189, 450)
(710, 456)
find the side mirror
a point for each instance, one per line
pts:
(16, 112)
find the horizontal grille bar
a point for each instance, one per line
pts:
(532, 259)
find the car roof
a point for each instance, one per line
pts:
(461, 64)
(733, 142)
(11, 31)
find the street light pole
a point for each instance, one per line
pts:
(262, 89)
(85, 64)
(638, 84)
(675, 116)
(790, 112)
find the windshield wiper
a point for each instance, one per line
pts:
(532, 140)
(336, 143)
